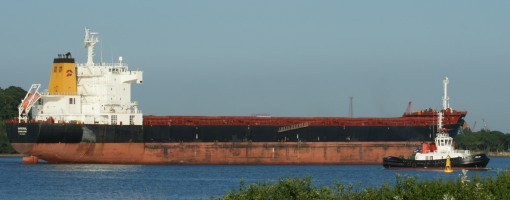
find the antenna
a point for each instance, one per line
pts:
(440, 120)
(89, 42)
(446, 99)
(485, 125)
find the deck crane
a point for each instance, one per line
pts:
(408, 109)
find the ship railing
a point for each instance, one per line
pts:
(122, 112)
(116, 65)
(132, 112)
(90, 74)
(100, 70)
(284, 121)
(45, 93)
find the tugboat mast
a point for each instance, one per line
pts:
(440, 122)
(446, 99)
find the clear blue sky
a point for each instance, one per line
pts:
(285, 58)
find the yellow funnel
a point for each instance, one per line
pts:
(63, 76)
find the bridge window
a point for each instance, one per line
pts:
(114, 119)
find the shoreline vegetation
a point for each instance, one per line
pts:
(11, 155)
(495, 154)
(462, 187)
(10, 99)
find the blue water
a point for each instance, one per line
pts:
(88, 181)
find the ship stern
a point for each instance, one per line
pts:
(22, 136)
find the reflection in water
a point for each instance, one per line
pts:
(93, 167)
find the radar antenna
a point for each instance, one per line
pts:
(89, 42)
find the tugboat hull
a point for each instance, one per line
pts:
(478, 161)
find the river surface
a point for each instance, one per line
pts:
(102, 181)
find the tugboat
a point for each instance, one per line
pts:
(436, 154)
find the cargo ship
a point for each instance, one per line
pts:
(86, 115)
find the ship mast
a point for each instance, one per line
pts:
(439, 121)
(89, 42)
(446, 99)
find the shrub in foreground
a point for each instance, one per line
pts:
(405, 188)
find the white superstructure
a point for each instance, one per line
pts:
(444, 144)
(103, 94)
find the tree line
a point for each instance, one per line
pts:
(484, 140)
(10, 98)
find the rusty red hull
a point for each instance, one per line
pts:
(218, 153)
(229, 140)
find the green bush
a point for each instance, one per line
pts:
(5, 146)
(405, 188)
(10, 99)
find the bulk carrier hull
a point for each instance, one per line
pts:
(216, 153)
(239, 140)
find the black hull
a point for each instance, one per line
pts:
(86, 133)
(478, 161)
